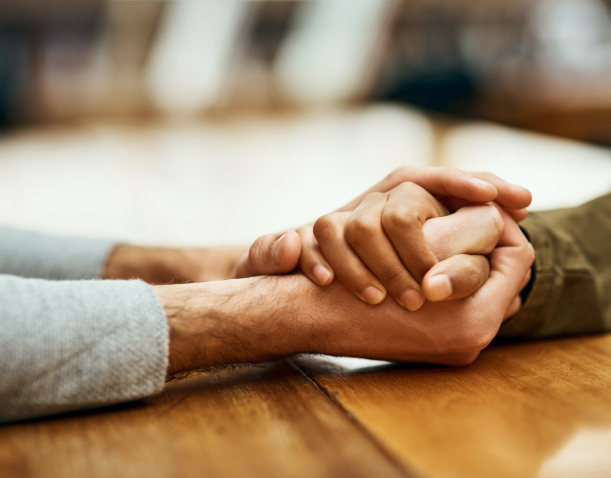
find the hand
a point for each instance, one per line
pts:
(258, 319)
(280, 253)
(449, 332)
(369, 253)
(456, 188)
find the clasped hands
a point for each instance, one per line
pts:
(436, 264)
(423, 267)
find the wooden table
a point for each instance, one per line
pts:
(540, 409)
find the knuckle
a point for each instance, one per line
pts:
(361, 230)
(374, 196)
(411, 189)
(327, 226)
(401, 221)
(406, 186)
(471, 272)
(399, 174)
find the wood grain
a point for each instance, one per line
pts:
(521, 410)
(258, 421)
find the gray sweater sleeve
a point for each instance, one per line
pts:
(69, 344)
(32, 254)
(66, 345)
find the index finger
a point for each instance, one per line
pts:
(510, 196)
(440, 181)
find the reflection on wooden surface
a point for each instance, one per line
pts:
(539, 409)
(520, 410)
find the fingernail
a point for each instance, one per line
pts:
(321, 273)
(412, 300)
(277, 249)
(372, 295)
(440, 287)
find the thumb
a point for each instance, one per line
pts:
(456, 277)
(271, 254)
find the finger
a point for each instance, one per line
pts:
(514, 307)
(312, 262)
(470, 230)
(365, 234)
(518, 214)
(441, 181)
(348, 267)
(408, 207)
(454, 204)
(526, 279)
(510, 196)
(271, 254)
(509, 264)
(456, 277)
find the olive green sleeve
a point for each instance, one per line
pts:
(571, 290)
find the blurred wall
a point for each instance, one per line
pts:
(538, 64)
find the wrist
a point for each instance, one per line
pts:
(164, 265)
(155, 265)
(234, 321)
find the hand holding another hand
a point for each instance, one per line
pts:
(365, 245)
(450, 332)
(377, 243)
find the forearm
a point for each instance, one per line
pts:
(234, 321)
(164, 265)
(572, 273)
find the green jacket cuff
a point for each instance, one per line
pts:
(564, 298)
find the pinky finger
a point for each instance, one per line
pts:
(312, 262)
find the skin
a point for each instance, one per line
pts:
(375, 244)
(263, 318)
(280, 253)
(164, 265)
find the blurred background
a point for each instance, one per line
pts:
(206, 122)
(215, 121)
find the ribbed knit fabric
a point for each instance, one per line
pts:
(72, 344)
(44, 256)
